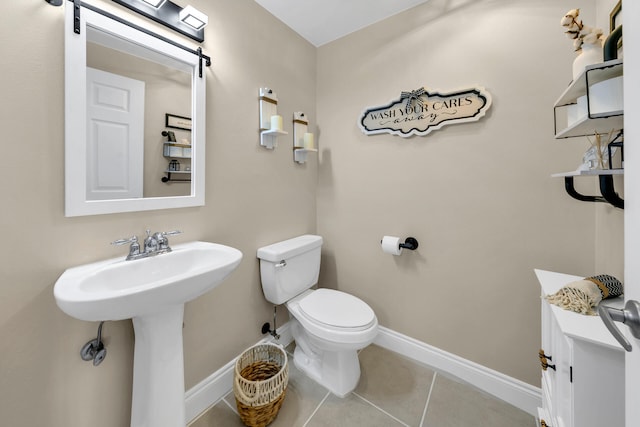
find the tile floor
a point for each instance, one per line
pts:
(393, 391)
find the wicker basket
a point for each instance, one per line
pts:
(260, 383)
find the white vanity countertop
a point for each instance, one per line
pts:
(578, 326)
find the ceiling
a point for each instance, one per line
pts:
(322, 21)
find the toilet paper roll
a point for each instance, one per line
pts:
(391, 245)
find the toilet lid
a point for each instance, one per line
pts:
(337, 309)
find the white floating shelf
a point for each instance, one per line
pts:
(593, 172)
(269, 108)
(300, 127)
(269, 138)
(596, 73)
(300, 154)
(601, 123)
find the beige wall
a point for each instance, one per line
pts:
(253, 197)
(477, 196)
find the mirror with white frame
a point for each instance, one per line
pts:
(120, 85)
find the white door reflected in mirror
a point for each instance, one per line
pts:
(115, 136)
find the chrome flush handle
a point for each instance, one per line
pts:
(630, 316)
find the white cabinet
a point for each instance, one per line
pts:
(583, 383)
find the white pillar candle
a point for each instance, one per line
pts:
(276, 122)
(308, 140)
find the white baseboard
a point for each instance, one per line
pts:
(515, 392)
(217, 385)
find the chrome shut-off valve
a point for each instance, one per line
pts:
(94, 349)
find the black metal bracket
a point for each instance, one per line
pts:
(616, 143)
(571, 190)
(168, 178)
(607, 190)
(202, 57)
(76, 16)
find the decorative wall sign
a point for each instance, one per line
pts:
(419, 112)
(177, 122)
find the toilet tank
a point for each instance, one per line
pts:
(290, 267)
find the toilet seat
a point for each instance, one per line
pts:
(337, 323)
(337, 310)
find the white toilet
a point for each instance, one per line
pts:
(329, 326)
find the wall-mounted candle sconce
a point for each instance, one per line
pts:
(303, 141)
(187, 21)
(271, 125)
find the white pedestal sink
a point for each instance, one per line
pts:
(151, 291)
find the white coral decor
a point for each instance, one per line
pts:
(579, 32)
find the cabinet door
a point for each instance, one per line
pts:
(548, 377)
(563, 405)
(597, 377)
(556, 379)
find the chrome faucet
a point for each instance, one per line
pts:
(150, 243)
(154, 244)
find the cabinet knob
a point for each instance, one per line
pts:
(543, 356)
(546, 365)
(543, 361)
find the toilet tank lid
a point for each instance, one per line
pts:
(289, 248)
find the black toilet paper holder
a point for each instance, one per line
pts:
(409, 243)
